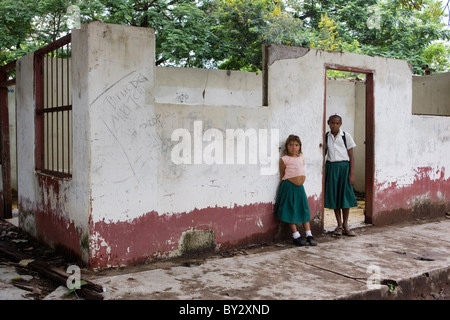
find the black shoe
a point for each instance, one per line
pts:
(311, 241)
(300, 242)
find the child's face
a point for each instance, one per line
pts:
(335, 123)
(293, 147)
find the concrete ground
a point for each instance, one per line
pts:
(404, 261)
(396, 262)
(356, 216)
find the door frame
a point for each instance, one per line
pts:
(5, 161)
(369, 138)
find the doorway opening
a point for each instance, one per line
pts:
(8, 201)
(349, 92)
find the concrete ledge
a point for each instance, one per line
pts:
(406, 289)
(413, 260)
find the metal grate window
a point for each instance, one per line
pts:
(53, 92)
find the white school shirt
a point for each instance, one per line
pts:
(336, 146)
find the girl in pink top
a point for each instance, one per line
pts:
(291, 204)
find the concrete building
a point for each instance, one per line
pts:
(167, 160)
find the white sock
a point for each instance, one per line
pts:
(308, 233)
(296, 235)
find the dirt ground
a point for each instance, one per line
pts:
(38, 287)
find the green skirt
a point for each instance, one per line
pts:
(291, 204)
(338, 190)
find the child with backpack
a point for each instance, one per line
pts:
(339, 174)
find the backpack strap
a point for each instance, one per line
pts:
(345, 139)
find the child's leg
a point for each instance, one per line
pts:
(298, 240)
(293, 227)
(347, 231)
(338, 230)
(309, 237)
(337, 214)
(294, 230)
(345, 215)
(307, 227)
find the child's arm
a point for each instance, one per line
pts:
(282, 169)
(351, 174)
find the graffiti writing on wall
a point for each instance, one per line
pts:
(182, 97)
(122, 98)
(121, 108)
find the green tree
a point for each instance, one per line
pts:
(182, 27)
(404, 33)
(16, 18)
(283, 27)
(228, 33)
(437, 56)
(26, 25)
(239, 25)
(327, 37)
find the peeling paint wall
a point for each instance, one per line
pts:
(157, 158)
(160, 165)
(53, 210)
(411, 179)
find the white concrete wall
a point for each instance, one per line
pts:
(405, 145)
(132, 172)
(430, 94)
(52, 209)
(188, 186)
(341, 99)
(124, 152)
(122, 165)
(152, 156)
(207, 87)
(360, 136)
(27, 183)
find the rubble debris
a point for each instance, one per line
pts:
(90, 291)
(13, 247)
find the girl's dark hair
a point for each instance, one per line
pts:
(292, 137)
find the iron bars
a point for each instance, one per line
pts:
(53, 93)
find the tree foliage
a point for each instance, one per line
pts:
(228, 34)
